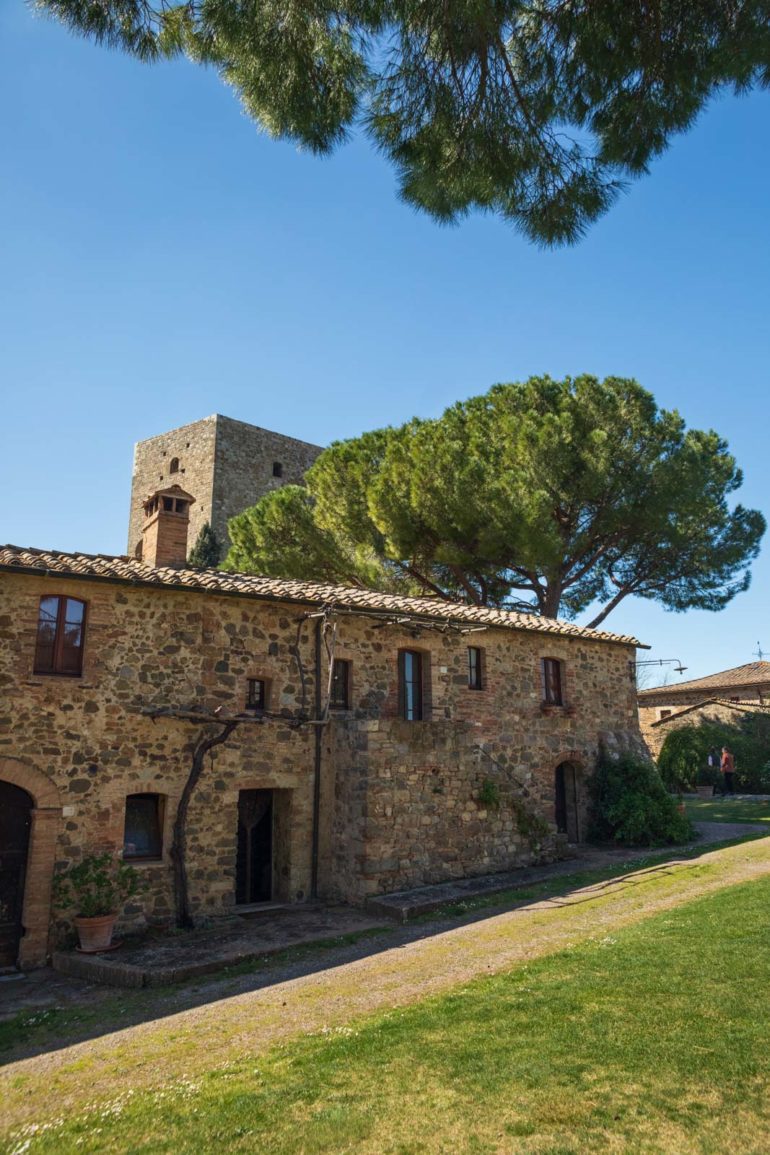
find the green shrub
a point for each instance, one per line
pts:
(682, 756)
(97, 885)
(489, 795)
(685, 750)
(630, 804)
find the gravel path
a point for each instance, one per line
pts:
(413, 964)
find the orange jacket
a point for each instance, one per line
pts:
(728, 764)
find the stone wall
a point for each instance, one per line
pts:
(226, 465)
(194, 446)
(400, 801)
(90, 738)
(243, 469)
(407, 808)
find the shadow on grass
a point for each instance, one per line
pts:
(95, 1012)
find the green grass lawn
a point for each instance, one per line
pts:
(727, 810)
(651, 1039)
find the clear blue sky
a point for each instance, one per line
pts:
(161, 260)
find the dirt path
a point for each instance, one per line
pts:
(179, 1045)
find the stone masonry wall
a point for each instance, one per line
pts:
(243, 469)
(89, 738)
(399, 800)
(195, 447)
(407, 810)
(226, 465)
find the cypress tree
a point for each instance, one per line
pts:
(206, 551)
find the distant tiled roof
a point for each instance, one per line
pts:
(752, 674)
(739, 707)
(128, 570)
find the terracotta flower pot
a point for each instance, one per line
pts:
(95, 933)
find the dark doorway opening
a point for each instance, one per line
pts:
(254, 867)
(15, 821)
(566, 801)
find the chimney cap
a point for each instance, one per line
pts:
(170, 491)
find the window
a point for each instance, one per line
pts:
(665, 713)
(143, 834)
(339, 698)
(174, 465)
(277, 469)
(257, 694)
(551, 677)
(410, 685)
(168, 504)
(474, 668)
(60, 628)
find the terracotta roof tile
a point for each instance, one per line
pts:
(752, 674)
(124, 569)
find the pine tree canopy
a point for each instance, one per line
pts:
(539, 111)
(547, 496)
(206, 552)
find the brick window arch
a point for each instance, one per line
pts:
(174, 465)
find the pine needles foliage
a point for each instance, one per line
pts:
(540, 113)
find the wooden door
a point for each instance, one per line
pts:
(566, 801)
(254, 867)
(560, 792)
(15, 821)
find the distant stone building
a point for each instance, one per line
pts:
(227, 465)
(713, 696)
(380, 742)
(719, 710)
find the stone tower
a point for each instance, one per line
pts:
(225, 465)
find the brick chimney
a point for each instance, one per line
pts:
(164, 533)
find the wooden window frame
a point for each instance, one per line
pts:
(160, 813)
(57, 660)
(552, 686)
(475, 669)
(418, 715)
(342, 701)
(258, 708)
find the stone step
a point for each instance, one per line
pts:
(403, 905)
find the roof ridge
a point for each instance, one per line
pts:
(124, 569)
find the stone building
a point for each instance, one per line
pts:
(378, 742)
(228, 465)
(719, 710)
(749, 684)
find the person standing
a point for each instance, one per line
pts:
(728, 769)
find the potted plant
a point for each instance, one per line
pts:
(97, 887)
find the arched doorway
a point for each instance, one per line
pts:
(44, 810)
(15, 825)
(567, 800)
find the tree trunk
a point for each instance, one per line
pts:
(179, 842)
